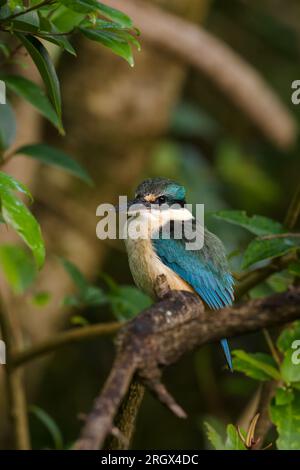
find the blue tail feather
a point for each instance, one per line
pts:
(227, 353)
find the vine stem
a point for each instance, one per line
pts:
(73, 336)
(15, 386)
(28, 10)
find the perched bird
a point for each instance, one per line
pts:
(205, 271)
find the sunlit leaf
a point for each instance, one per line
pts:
(258, 366)
(116, 15)
(55, 157)
(40, 299)
(214, 437)
(78, 320)
(117, 44)
(65, 19)
(233, 441)
(18, 267)
(81, 6)
(16, 214)
(9, 183)
(286, 418)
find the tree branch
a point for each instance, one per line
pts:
(160, 335)
(63, 339)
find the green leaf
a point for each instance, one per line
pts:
(34, 94)
(256, 224)
(233, 441)
(9, 183)
(49, 424)
(77, 277)
(111, 40)
(88, 295)
(280, 282)
(214, 437)
(127, 302)
(283, 396)
(4, 48)
(286, 418)
(40, 299)
(81, 6)
(78, 320)
(7, 126)
(62, 42)
(66, 20)
(16, 214)
(42, 60)
(18, 267)
(116, 16)
(28, 22)
(288, 336)
(55, 157)
(258, 366)
(52, 34)
(294, 268)
(259, 250)
(290, 367)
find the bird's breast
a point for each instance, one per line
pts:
(146, 266)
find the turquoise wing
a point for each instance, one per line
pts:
(206, 270)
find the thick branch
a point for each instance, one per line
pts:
(160, 335)
(237, 79)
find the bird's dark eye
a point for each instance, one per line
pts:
(161, 200)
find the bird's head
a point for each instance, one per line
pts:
(156, 193)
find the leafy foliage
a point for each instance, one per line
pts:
(285, 414)
(15, 213)
(267, 246)
(18, 267)
(257, 366)
(32, 26)
(232, 441)
(257, 224)
(125, 301)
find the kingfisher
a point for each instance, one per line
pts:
(204, 271)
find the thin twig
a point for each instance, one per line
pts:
(73, 336)
(280, 235)
(28, 10)
(272, 347)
